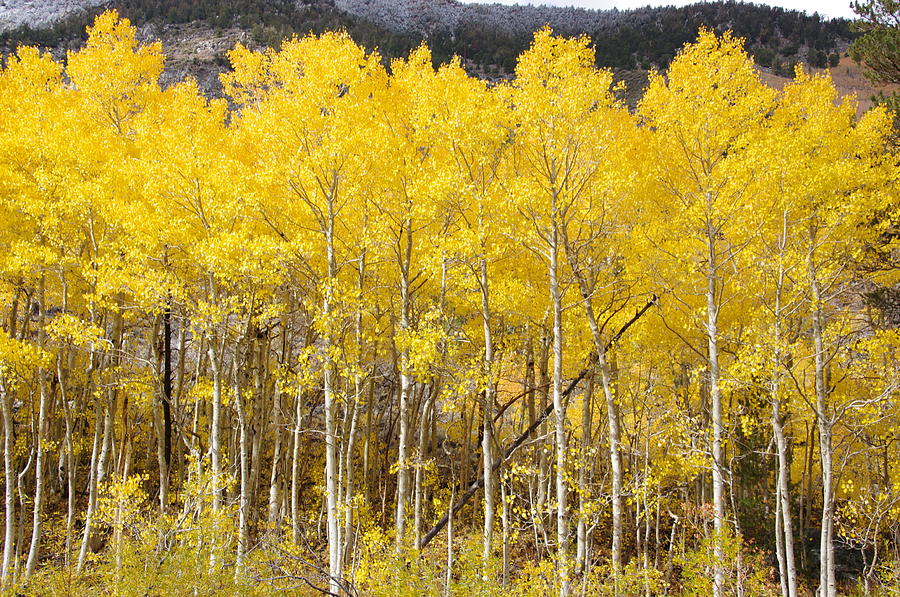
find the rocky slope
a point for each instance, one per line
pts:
(39, 13)
(427, 17)
(488, 37)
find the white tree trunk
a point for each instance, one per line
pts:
(331, 456)
(718, 477)
(244, 499)
(827, 582)
(9, 539)
(562, 526)
(405, 386)
(583, 518)
(488, 422)
(34, 549)
(784, 526)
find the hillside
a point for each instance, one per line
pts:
(489, 37)
(197, 35)
(39, 13)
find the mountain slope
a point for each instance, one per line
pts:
(39, 13)
(487, 37)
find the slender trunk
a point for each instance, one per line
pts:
(562, 527)
(70, 456)
(784, 525)
(358, 384)
(488, 424)
(827, 583)
(215, 446)
(9, 539)
(98, 461)
(583, 515)
(615, 460)
(92, 489)
(349, 477)
(779, 540)
(420, 471)
(34, 549)
(718, 476)
(331, 455)
(275, 476)
(615, 454)
(295, 468)
(449, 577)
(612, 415)
(504, 514)
(166, 437)
(405, 385)
(543, 463)
(244, 499)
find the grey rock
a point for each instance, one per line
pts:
(39, 13)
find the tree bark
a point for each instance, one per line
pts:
(34, 549)
(784, 526)
(9, 539)
(405, 386)
(562, 526)
(487, 440)
(827, 582)
(331, 456)
(715, 395)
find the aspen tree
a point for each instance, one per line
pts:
(836, 182)
(707, 110)
(477, 128)
(556, 95)
(405, 212)
(318, 91)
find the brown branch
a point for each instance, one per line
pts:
(479, 483)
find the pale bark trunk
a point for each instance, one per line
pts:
(488, 421)
(70, 457)
(331, 455)
(583, 518)
(349, 477)
(98, 462)
(784, 526)
(543, 458)
(275, 476)
(34, 549)
(405, 385)
(562, 527)
(244, 498)
(419, 483)
(779, 540)
(275, 480)
(718, 476)
(215, 447)
(827, 582)
(612, 418)
(10, 500)
(358, 383)
(295, 468)
(92, 489)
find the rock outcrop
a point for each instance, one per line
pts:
(39, 13)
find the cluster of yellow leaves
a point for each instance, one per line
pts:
(19, 359)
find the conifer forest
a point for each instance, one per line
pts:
(370, 327)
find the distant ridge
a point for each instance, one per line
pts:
(39, 13)
(488, 37)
